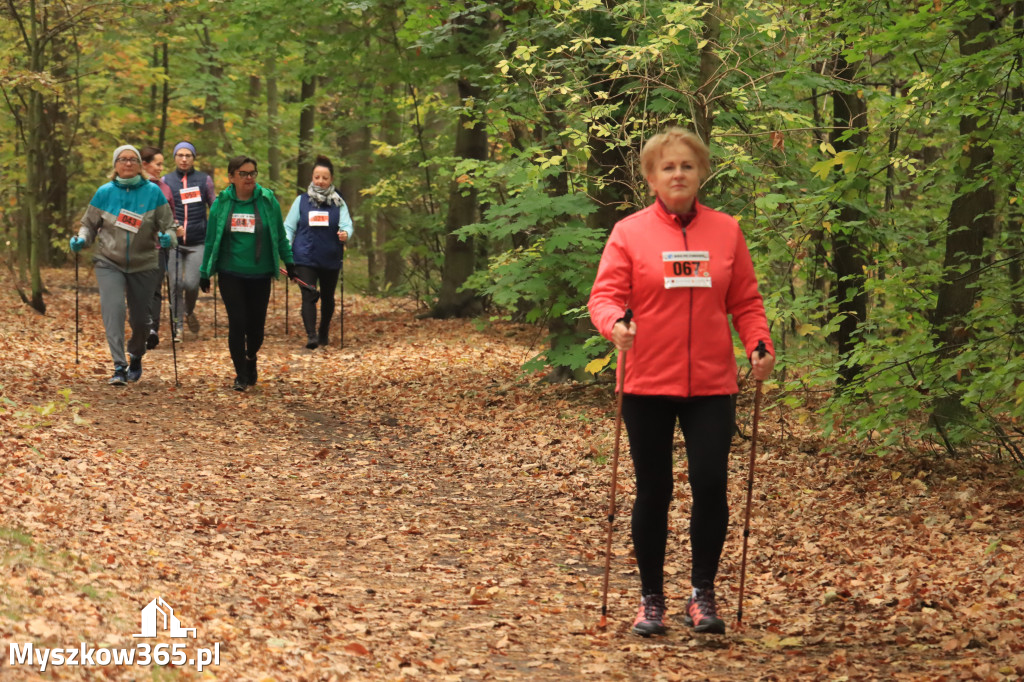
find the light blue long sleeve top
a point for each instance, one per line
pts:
(291, 221)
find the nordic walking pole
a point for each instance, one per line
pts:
(76, 307)
(215, 309)
(760, 350)
(627, 318)
(177, 288)
(303, 285)
(286, 306)
(170, 316)
(341, 299)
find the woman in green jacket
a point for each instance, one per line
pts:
(245, 241)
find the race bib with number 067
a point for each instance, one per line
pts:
(686, 269)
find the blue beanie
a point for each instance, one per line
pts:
(185, 145)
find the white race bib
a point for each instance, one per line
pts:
(686, 269)
(243, 222)
(319, 219)
(127, 220)
(190, 195)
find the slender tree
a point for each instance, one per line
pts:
(970, 220)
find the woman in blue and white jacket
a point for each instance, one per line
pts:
(127, 218)
(318, 225)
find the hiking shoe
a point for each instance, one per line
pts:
(153, 340)
(250, 369)
(240, 384)
(119, 378)
(134, 369)
(701, 614)
(177, 335)
(650, 619)
(311, 342)
(323, 341)
(193, 323)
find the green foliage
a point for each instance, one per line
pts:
(548, 265)
(572, 90)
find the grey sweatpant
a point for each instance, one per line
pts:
(117, 289)
(183, 265)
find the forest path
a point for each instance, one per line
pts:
(409, 506)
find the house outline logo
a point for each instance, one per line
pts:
(151, 614)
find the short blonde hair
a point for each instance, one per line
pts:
(651, 152)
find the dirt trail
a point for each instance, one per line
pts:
(409, 507)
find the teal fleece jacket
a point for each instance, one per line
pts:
(124, 223)
(220, 215)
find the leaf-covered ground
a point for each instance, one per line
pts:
(411, 507)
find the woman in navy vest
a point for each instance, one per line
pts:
(318, 225)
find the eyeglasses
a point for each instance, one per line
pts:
(128, 160)
(247, 174)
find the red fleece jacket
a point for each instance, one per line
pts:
(682, 283)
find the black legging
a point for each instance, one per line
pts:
(707, 424)
(246, 300)
(328, 280)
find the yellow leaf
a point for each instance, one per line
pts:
(806, 329)
(595, 366)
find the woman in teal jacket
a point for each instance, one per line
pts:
(245, 241)
(126, 220)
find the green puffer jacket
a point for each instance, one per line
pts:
(220, 215)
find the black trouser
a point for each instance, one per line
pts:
(707, 424)
(245, 300)
(328, 280)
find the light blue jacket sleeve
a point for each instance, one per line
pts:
(291, 221)
(345, 220)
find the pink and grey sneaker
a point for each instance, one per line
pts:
(650, 619)
(701, 614)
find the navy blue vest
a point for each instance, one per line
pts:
(317, 246)
(192, 215)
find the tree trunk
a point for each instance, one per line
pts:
(307, 128)
(849, 113)
(390, 256)
(704, 115)
(35, 193)
(34, 123)
(970, 221)
(154, 91)
(165, 98)
(273, 142)
(1014, 227)
(254, 97)
(463, 209)
(212, 130)
(54, 185)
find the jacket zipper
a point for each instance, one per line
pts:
(128, 237)
(184, 211)
(689, 328)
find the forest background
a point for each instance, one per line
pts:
(869, 150)
(422, 505)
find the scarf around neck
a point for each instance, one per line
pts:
(324, 195)
(129, 182)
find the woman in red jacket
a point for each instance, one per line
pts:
(683, 269)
